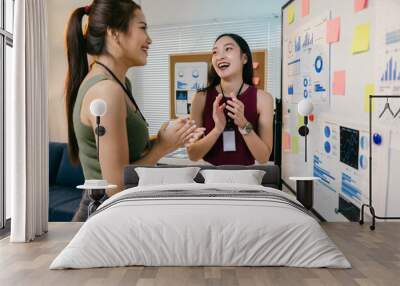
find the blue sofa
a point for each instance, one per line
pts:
(64, 198)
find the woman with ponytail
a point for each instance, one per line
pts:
(116, 38)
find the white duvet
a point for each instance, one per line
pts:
(204, 231)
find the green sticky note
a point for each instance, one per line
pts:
(295, 144)
(368, 89)
(291, 14)
(300, 121)
(361, 38)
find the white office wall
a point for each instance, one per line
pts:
(160, 12)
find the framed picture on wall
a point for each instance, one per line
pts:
(189, 72)
(189, 78)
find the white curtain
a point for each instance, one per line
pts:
(26, 124)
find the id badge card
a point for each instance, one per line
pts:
(228, 138)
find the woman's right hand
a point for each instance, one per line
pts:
(219, 114)
(176, 135)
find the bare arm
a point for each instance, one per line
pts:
(114, 149)
(169, 139)
(200, 148)
(260, 145)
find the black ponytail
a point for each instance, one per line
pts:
(77, 70)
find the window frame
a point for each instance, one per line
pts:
(6, 39)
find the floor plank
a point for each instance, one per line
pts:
(374, 255)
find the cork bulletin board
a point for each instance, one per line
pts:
(193, 68)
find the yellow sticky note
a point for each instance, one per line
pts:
(295, 144)
(361, 38)
(300, 121)
(368, 89)
(290, 14)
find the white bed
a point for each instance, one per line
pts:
(248, 226)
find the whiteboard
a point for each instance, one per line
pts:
(316, 57)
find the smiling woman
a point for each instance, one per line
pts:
(116, 37)
(237, 116)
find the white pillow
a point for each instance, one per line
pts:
(248, 177)
(164, 176)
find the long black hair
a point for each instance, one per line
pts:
(247, 75)
(103, 14)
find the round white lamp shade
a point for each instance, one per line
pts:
(305, 107)
(98, 107)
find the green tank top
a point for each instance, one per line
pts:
(136, 127)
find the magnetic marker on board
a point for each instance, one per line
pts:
(377, 138)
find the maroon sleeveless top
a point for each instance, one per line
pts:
(242, 155)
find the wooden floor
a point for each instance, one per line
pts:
(374, 255)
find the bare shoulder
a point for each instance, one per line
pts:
(200, 95)
(264, 96)
(199, 98)
(110, 92)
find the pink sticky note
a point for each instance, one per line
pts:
(360, 5)
(256, 80)
(256, 65)
(305, 8)
(286, 142)
(339, 82)
(333, 30)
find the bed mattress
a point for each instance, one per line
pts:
(201, 225)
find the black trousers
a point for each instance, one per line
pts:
(82, 213)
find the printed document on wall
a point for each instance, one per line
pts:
(307, 63)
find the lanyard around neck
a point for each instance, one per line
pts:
(238, 93)
(229, 121)
(127, 90)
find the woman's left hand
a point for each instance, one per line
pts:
(236, 111)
